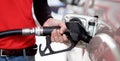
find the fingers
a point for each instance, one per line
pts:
(54, 36)
(57, 37)
(65, 38)
(63, 27)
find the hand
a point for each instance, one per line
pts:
(57, 34)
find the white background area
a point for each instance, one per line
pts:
(77, 54)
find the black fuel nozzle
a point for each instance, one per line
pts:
(75, 32)
(79, 29)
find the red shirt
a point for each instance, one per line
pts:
(16, 14)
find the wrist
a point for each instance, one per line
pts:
(50, 22)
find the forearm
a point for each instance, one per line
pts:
(42, 10)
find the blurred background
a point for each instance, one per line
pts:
(106, 10)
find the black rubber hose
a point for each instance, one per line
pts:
(10, 33)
